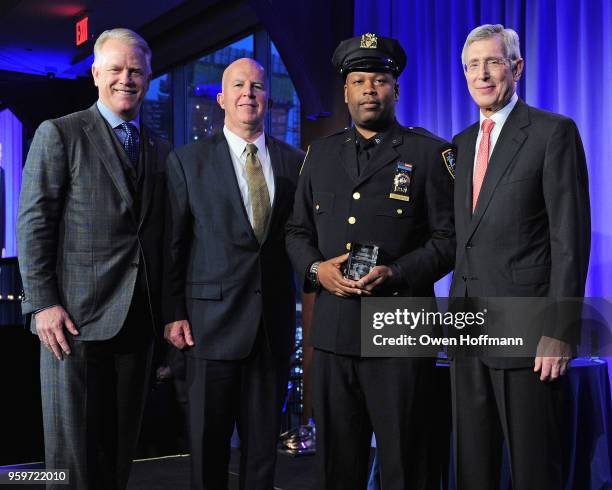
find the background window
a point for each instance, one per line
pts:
(157, 107)
(285, 113)
(203, 82)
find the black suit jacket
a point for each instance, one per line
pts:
(80, 237)
(529, 235)
(217, 274)
(415, 236)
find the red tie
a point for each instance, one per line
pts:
(482, 160)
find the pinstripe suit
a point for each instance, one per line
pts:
(89, 240)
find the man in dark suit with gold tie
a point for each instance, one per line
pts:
(523, 230)
(230, 294)
(89, 235)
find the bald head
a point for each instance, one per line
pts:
(239, 66)
(244, 98)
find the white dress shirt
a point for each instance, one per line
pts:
(237, 148)
(500, 119)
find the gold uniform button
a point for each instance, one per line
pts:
(348, 246)
(352, 220)
(317, 207)
(399, 211)
(356, 195)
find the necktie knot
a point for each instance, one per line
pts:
(129, 128)
(366, 145)
(251, 149)
(487, 125)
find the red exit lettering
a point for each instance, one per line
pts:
(81, 31)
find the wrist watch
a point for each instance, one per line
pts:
(312, 273)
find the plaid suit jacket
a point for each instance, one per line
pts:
(80, 239)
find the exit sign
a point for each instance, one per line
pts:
(81, 31)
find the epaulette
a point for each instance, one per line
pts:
(337, 133)
(322, 138)
(447, 151)
(423, 132)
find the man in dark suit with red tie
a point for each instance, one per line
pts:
(230, 297)
(523, 230)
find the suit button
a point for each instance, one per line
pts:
(356, 195)
(399, 211)
(464, 278)
(258, 291)
(348, 246)
(317, 207)
(352, 220)
(469, 245)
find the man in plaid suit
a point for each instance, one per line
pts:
(89, 232)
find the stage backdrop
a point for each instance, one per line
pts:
(11, 162)
(567, 47)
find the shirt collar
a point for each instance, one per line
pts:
(237, 144)
(377, 139)
(499, 118)
(113, 119)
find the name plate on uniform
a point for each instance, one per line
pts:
(361, 261)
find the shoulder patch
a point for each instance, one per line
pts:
(448, 156)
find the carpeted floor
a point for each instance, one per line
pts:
(172, 473)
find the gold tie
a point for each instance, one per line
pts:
(258, 191)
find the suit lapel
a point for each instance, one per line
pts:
(468, 169)
(225, 170)
(385, 154)
(466, 143)
(150, 158)
(276, 160)
(97, 131)
(510, 141)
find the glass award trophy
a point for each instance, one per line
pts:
(361, 261)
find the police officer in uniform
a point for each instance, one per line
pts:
(383, 184)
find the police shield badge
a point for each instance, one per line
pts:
(401, 182)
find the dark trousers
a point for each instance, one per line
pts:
(248, 393)
(354, 396)
(490, 405)
(93, 402)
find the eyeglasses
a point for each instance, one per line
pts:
(490, 64)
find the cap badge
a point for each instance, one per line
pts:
(369, 41)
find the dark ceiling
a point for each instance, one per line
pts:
(38, 36)
(43, 74)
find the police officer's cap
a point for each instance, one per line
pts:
(369, 53)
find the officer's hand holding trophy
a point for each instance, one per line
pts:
(375, 277)
(330, 275)
(354, 273)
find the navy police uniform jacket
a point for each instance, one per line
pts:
(336, 207)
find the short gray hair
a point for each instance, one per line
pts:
(509, 37)
(127, 36)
